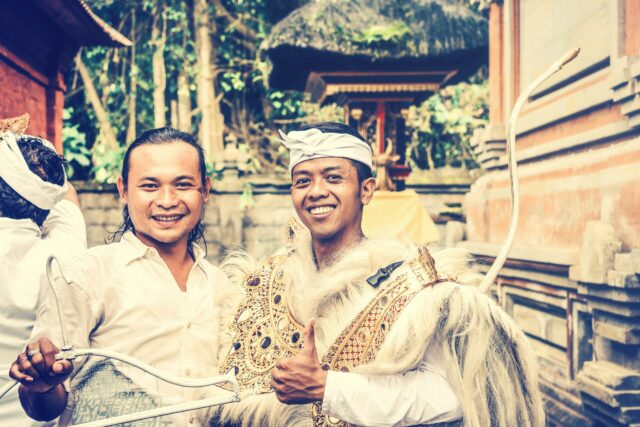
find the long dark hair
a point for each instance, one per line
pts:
(164, 135)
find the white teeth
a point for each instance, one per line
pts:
(167, 218)
(321, 210)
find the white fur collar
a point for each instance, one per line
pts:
(336, 294)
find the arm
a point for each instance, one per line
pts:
(422, 395)
(417, 397)
(72, 195)
(65, 223)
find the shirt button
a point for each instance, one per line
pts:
(187, 372)
(191, 420)
(189, 325)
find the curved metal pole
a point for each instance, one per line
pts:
(491, 275)
(7, 388)
(229, 377)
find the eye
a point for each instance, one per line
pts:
(148, 186)
(299, 182)
(333, 178)
(184, 185)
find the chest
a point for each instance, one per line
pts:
(143, 303)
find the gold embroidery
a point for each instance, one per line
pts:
(361, 341)
(263, 329)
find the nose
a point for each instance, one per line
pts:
(318, 190)
(167, 198)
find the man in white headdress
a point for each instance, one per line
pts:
(39, 216)
(393, 336)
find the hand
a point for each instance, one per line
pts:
(300, 379)
(37, 369)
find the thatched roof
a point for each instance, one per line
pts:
(382, 34)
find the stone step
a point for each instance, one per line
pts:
(609, 396)
(611, 375)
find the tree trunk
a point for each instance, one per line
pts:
(212, 124)
(159, 40)
(173, 113)
(184, 102)
(133, 82)
(109, 136)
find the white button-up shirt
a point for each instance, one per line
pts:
(24, 249)
(124, 298)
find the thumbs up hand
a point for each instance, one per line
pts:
(300, 379)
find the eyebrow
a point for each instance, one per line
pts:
(178, 178)
(323, 171)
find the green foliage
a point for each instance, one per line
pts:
(106, 168)
(440, 128)
(327, 113)
(252, 111)
(75, 147)
(380, 34)
(246, 198)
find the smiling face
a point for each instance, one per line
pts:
(164, 193)
(328, 198)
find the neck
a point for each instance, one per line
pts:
(173, 253)
(326, 249)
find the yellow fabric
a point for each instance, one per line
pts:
(399, 215)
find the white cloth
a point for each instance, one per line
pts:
(421, 396)
(24, 249)
(314, 144)
(124, 298)
(15, 171)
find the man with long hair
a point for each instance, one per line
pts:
(39, 217)
(394, 335)
(152, 295)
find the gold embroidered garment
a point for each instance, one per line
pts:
(264, 329)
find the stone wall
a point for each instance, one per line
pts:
(572, 280)
(260, 229)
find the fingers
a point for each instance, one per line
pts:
(277, 376)
(48, 352)
(39, 361)
(310, 338)
(62, 367)
(26, 367)
(16, 372)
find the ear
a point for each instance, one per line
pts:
(207, 189)
(122, 189)
(367, 188)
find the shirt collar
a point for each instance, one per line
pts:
(133, 249)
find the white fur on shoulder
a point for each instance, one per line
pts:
(490, 363)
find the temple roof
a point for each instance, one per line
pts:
(76, 19)
(352, 35)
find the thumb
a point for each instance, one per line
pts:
(310, 338)
(62, 367)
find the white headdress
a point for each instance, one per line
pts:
(314, 144)
(15, 171)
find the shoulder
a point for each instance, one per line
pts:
(215, 274)
(94, 263)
